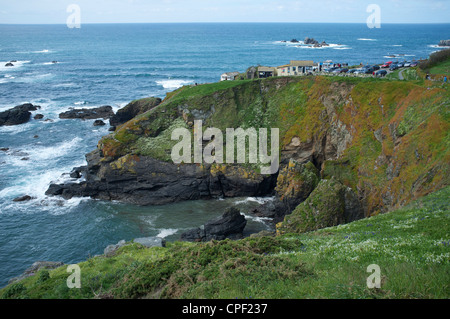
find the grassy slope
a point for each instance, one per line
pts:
(411, 246)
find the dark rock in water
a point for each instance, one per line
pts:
(112, 129)
(133, 109)
(17, 115)
(230, 225)
(294, 41)
(35, 268)
(22, 198)
(4, 149)
(24, 158)
(38, 117)
(54, 62)
(104, 112)
(13, 61)
(54, 190)
(310, 41)
(99, 123)
(77, 172)
(444, 43)
(9, 64)
(36, 136)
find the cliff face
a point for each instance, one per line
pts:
(386, 140)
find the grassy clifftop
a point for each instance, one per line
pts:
(410, 245)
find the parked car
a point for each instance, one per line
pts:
(401, 64)
(414, 63)
(380, 73)
(343, 70)
(376, 67)
(407, 64)
(360, 71)
(393, 67)
(329, 70)
(369, 70)
(387, 64)
(337, 70)
(352, 71)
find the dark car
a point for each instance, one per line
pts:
(329, 70)
(352, 70)
(343, 70)
(368, 70)
(393, 67)
(375, 67)
(381, 73)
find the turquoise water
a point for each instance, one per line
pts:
(112, 65)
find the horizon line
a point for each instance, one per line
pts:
(229, 22)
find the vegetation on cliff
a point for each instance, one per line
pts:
(410, 245)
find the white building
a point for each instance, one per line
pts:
(228, 76)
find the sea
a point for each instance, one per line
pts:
(113, 64)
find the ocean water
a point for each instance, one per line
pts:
(112, 65)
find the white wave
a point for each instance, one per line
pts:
(396, 45)
(81, 103)
(42, 51)
(173, 84)
(15, 66)
(435, 46)
(259, 200)
(64, 85)
(163, 233)
(342, 48)
(256, 218)
(53, 152)
(366, 39)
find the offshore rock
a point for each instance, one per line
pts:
(104, 112)
(17, 115)
(230, 224)
(133, 109)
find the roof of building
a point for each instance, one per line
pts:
(283, 66)
(231, 73)
(266, 69)
(302, 63)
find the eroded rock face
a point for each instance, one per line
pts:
(133, 109)
(330, 204)
(35, 268)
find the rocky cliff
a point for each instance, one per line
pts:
(387, 141)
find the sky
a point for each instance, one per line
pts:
(157, 11)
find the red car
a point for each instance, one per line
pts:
(387, 64)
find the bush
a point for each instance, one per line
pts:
(435, 58)
(14, 291)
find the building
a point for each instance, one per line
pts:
(229, 76)
(296, 67)
(266, 72)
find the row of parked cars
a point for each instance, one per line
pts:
(376, 70)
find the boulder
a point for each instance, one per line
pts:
(133, 109)
(22, 198)
(151, 241)
(38, 117)
(4, 149)
(35, 268)
(110, 250)
(230, 224)
(99, 123)
(17, 115)
(330, 204)
(294, 41)
(104, 112)
(9, 64)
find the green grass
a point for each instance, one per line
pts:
(411, 246)
(442, 68)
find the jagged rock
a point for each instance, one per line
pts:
(110, 250)
(230, 224)
(35, 268)
(133, 109)
(104, 112)
(310, 41)
(444, 43)
(4, 149)
(17, 115)
(294, 41)
(151, 241)
(38, 117)
(330, 204)
(9, 64)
